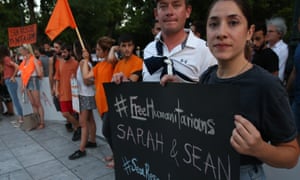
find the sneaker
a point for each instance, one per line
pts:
(77, 154)
(91, 145)
(77, 134)
(69, 127)
(14, 122)
(16, 125)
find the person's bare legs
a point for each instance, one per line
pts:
(37, 107)
(83, 117)
(92, 127)
(70, 118)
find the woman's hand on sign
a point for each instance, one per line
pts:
(246, 139)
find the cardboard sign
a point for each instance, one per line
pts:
(181, 131)
(22, 35)
(75, 95)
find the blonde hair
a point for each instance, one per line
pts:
(28, 48)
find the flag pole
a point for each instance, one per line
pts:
(79, 37)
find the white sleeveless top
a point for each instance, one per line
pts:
(84, 90)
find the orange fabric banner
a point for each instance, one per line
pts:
(60, 19)
(22, 35)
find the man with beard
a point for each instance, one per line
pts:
(53, 62)
(263, 56)
(65, 70)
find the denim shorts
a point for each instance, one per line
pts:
(252, 172)
(33, 83)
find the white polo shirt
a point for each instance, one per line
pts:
(282, 51)
(191, 58)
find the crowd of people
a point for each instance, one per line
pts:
(237, 51)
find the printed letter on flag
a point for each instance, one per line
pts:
(60, 19)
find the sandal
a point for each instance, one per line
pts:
(111, 164)
(108, 158)
(41, 126)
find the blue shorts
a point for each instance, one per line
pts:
(33, 83)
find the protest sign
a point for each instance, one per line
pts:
(181, 131)
(75, 95)
(22, 35)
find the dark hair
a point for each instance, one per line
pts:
(260, 26)
(105, 43)
(199, 27)
(61, 43)
(66, 47)
(4, 51)
(126, 37)
(186, 1)
(244, 7)
(41, 50)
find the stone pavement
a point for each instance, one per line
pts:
(43, 154)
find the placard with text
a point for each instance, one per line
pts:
(22, 35)
(181, 131)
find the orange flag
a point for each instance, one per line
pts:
(60, 19)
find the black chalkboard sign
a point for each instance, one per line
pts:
(181, 131)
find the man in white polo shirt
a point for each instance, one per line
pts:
(276, 29)
(175, 50)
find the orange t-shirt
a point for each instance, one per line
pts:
(103, 72)
(129, 66)
(9, 69)
(63, 73)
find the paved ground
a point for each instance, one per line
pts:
(43, 155)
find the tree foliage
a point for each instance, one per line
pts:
(96, 18)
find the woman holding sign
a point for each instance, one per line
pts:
(265, 131)
(265, 114)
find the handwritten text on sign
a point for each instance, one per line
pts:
(22, 35)
(172, 132)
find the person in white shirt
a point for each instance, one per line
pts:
(276, 29)
(175, 50)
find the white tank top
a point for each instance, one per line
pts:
(84, 90)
